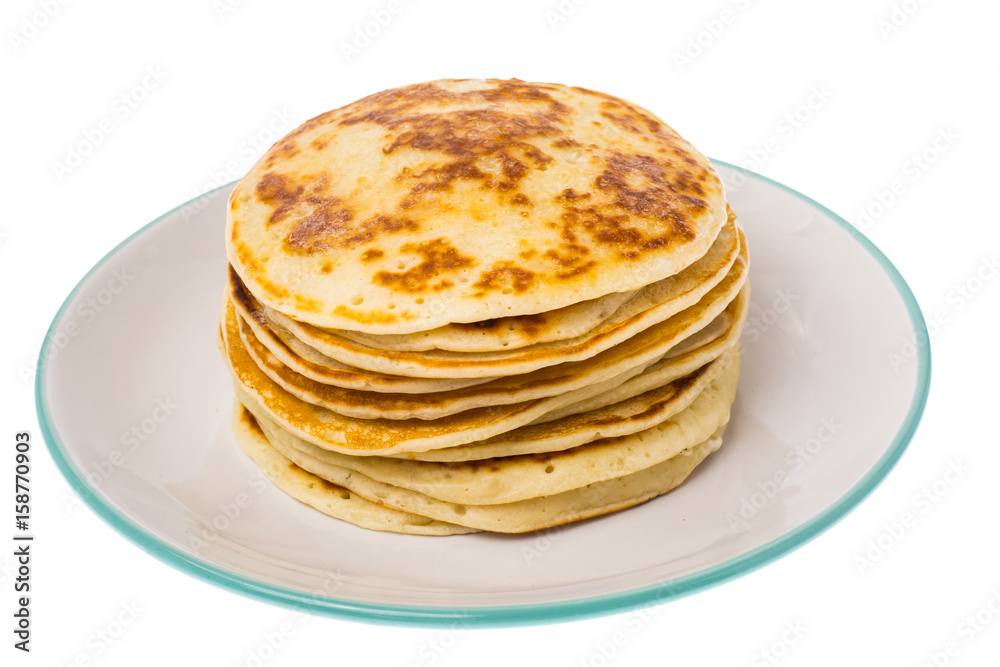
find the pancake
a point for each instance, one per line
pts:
(386, 437)
(642, 313)
(306, 361)
(513, 478)
(368, 406)
(656, 301)
(431, 405)
(333, 500)
(614, 415)
(552, 381)
(468, 200)
(517, 517)
(504, 333)
(699, 349)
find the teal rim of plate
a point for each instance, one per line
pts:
(508, 615)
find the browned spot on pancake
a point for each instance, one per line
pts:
(483, 325)
(317, 480)
(570, 256)
(238, 291)
(654, 125)
(326, 268)
(439, 257)
(637, 186)
(260, 317)
(506, 277)
(531, 324)
(513, 170)
(328, 222)
(327, 227)
(311, 123)
(528, 324)
(318, 230)
(576, 269)
(664, 397)
(285, 149)
(277, 191)
(569, 194)
(633, 113)
(622, 121)
(566, 142)
(521, 199)
(371, 254)
(307, 304)
(527, 254)
(670, 194)
(367, 316)
(489, 144)
(251, 262)
(247, 418)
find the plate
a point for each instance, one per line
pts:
(134, 402)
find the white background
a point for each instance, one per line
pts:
(881, 94)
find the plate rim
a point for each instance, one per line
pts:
(519, 614)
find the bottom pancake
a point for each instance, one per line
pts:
(517, 517)
(320, 494)
(508, 479)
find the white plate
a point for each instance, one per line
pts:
(134, 402)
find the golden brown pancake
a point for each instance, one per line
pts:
(469, 200)
(644, 314)
(336, 501)
(505, 479)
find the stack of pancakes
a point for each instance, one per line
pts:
(482, 305)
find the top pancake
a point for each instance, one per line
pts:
(462, 201)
